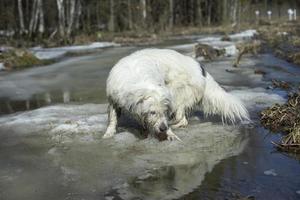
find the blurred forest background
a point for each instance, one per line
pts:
(67, 20)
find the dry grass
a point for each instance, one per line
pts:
(285, 118)
(19, 59)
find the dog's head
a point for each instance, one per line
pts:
(154, 111)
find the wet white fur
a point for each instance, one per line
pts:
(165, 81)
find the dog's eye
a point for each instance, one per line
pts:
(152, 113)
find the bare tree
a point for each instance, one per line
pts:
(198, 19)
(111, 25)
(234, 12)
(33, 17)
(225, 11)
(41, 28)
(21, 17)
(78, 13)
(37, 18)
(171, 10)
(71, 17)
(61, 17)
(144, 9)
(130, 23)
(209, 8)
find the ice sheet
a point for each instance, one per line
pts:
(51, 53)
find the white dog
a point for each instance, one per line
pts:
(160, 86)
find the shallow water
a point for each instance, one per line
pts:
(56, 151)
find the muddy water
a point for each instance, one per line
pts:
(43, 157)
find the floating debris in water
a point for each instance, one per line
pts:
(259, 71)
(281, 84)
(270, 172)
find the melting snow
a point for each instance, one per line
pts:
(2, 67)
(270, 172)
(248, 34)
(51, 53)
(229, 46)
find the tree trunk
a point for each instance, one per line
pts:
(61, 17)
(239, 15)
(21, 17)
(71, 14)
(144, 11)
(37, 18)
(198, 13)
(40, 9)
(171, 17)
(225, 12)
(234, 11)
(111, 25)
(209, 7)
(78, 14)
(191, 13)
(33, 18)
(130, 23)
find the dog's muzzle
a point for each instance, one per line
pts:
(163, 127)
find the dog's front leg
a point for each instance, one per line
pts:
(112, 122)
(171, 136)
(180, 119)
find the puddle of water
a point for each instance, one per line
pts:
(56, 152)
(267, 173)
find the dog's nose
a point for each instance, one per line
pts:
(163, 127)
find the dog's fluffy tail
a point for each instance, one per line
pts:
(217, 101)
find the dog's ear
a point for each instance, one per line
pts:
(170, 109)
(141, 96)
(137, 97)
(142, 99)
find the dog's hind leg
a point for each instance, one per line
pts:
(112, 122)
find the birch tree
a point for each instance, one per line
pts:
(78, 13)
(225, 12)
(209, 8)
(198, 12)
(37, 18)
(130, 22)
(111, 25)
(41, 28)
(69, 12)
(61, 17)
(171, 11)
(144, 9)
(71, 18)
(21, 17)
(234, 12)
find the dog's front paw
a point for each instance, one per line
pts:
(171, 136)
(109, 133)
(181, 124)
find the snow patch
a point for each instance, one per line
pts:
(57, 52)
(257, 97)
(229, 46)
(230, 50)
(127, 155)
(2, 67)
(270, 172)
(245, 35)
